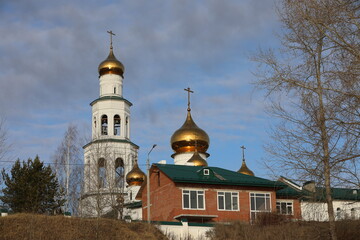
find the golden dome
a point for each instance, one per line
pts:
(135, 177)
(111, 65)
(197, 160)
(245, 170)
(189, 137)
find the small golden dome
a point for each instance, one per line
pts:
(111, 65)
(189, 137)
(245, 170)
(135, 177)
(197, 160)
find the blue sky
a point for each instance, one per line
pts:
(50, 51)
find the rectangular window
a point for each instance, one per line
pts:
(260, 202)
(193, 199)
(228, 201)
(284, 208)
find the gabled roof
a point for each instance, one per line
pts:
(216, 176)
(289, 192)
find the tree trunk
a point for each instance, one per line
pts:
(324, 139)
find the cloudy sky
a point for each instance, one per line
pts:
(50, 51)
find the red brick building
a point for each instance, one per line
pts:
(211, 194)
(191, 191)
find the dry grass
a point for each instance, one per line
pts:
(40, 227)
(346, 230)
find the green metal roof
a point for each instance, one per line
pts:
(346, 194)
(111, 98)
(319, 194)
(289, 192)
(217, 176)
(137, 204)
(337, 194)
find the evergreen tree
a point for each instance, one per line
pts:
(32, 187)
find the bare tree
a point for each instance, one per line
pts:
(4, 142)
(104, 180)
(5, 146)
(69, 168)
(313, 84)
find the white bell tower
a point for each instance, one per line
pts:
(110, 154)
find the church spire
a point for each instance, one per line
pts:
(111, 65)
(244, 169)
(183, 140)
(196, 159)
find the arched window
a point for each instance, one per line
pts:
(338, 213)
(352, 214)
(127, 127)
(119, 173)
(87, 174)
(102, 173)
(117, 122)
(104, 125)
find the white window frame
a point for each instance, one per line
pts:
(266, 195)
(199, 192)
(206, 172)
(288, 203)
(232, 194)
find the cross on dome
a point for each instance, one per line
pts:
(243, 152)
(189, 91)
(111, 34)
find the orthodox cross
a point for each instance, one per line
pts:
(111, 34)
(189, 91)
(243, 152)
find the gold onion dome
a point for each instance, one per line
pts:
(189, 137)
(197, 160)
(245, 170)
(135, 177)
(111, 65)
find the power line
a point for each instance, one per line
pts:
(75, 164)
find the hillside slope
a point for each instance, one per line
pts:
(28, 227)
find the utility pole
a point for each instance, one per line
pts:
(148, 183)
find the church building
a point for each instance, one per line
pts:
(187, 191)
(196, 192)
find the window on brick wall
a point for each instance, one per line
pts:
(284, 207)
(228, 201)
(259, 202)
(193, 199)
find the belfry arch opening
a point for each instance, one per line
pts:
(119, 173)
(102, 181)
(117, 125)
(127, 127)
(104, 125)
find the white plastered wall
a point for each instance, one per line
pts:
(317, 211)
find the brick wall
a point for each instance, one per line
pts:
(166, 199)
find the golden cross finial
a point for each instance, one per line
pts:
(189, 91)
(243, 152)
(111, 34)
